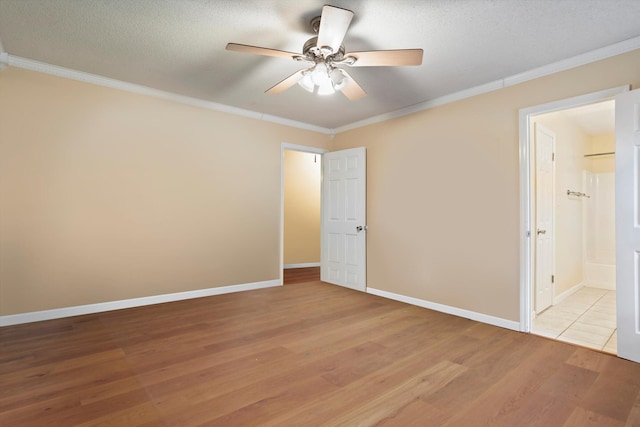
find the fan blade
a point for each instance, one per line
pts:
(286, 83)
(333, 26)
(386, 58)
(352, 89)
(260, 50)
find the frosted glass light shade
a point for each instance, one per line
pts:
(338, 78)
(306, 83)
(327, 80)
(326, 88)
(320, 74)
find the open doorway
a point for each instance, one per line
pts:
(301, 207)
(626, 205)
(573, 216)
(342, 211)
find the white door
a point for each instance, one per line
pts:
(544, 146)
(344, 237)
(628, 224)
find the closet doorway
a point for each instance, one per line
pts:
(301, 213)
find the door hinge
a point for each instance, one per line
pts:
(553, 157)
(553, 279)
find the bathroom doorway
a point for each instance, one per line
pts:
(573, 225)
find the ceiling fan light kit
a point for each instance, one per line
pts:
(326, 52)
(322, 79)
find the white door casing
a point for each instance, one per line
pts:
(343, 240)
(544, 217)
(628, 224)
(527, 197)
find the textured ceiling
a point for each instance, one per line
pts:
(178, 45)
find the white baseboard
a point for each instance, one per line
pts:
(302, 265)
(479, 317)
(57, 313)
(558, 298)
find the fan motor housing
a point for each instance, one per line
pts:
(313, 52)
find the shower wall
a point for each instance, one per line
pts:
(599, 215)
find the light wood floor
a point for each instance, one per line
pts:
(304, 355)
(301, 275)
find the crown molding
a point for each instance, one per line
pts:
(575, 61)
(446, 99)
(4, 59)
(566, 64)
(29, 64)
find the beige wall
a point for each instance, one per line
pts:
(571, 146)
(443, 191)
(107, 195)
(301, 207)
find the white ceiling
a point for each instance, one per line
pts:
(179, 45)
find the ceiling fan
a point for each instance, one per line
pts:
(326, 53)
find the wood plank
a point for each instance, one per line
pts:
(308, 354)
(294, 276)
(353, 394)
(502, 402)
(388, 404)
(633, 420)
(585, 418)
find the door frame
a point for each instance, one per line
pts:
(526, 194)
(305, 149)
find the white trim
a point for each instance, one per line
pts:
(446, 99)
(575, 61)
(563, 65)
(525, 187)
(28, 64)
(302, 265)
(303, 148)
(566, 64)
(526, 241)
(4, 59)
(479, 317)
(576, 101)
(37, 316)
(557, 299)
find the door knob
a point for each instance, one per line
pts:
(541, 232)
(359, 228)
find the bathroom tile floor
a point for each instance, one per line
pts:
(586, 318)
